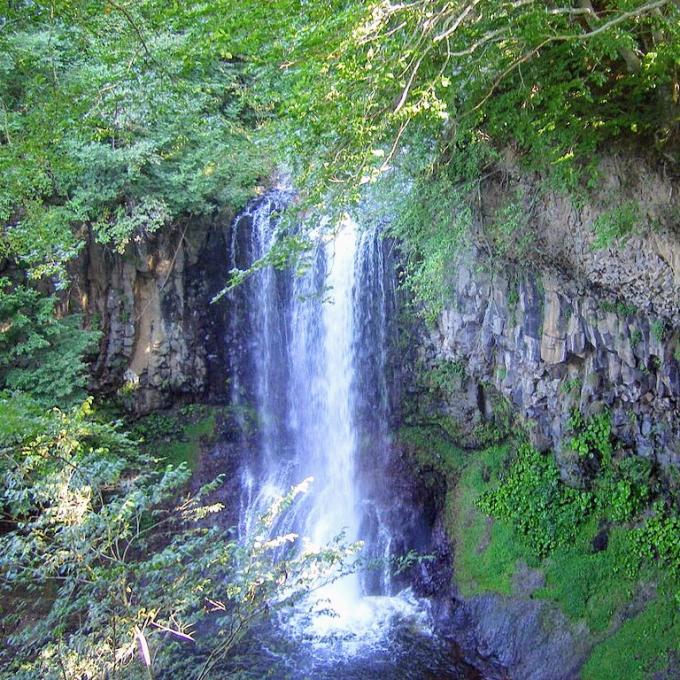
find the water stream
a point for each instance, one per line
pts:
(309, 356)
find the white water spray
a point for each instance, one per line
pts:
(313, 352)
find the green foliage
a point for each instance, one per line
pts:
(432, 226)
(610, 588)
(587, 584)
(445, 376)
(559, 83)
(635, 337)
(569, 385)
(449, 85)
(508, 235)
(658, 330)
(431, 451)
(644, 644)
(40, 353)
(657, 539)
(187, 450)
(616, 224)
(157, 426)
(620, 308)
(592, 437)
(533, 500)
(624, 488)
(177, 436)
(486, 552)
(124, 559)
(121, 119)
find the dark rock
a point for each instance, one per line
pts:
(518, 638)
(601, 540)
(538, 358)
(163, 339)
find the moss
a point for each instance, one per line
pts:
(599, 578)
(175, 436)
(430, 447)
(188, 448)
(586, 584)
(486, 552)
(643, 645)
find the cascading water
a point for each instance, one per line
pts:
(308, 354)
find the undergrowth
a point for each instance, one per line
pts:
(608, 553)
(175, 437)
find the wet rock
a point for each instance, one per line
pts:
(522, 638)
(163, 340)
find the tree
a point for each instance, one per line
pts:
(125, 562)
(117, 117)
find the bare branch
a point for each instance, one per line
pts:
(457, 22)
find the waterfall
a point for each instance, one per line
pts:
(309, 353)
(311, 392)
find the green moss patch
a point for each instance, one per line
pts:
(430, 448)
(486, 552)
(593, 570)
(176, 436)
(644, 644)
(588, 585)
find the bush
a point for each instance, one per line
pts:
(124, 559)
(592, 437)
(657, 539)
(39, 352)
(533, 500)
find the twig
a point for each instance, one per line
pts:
(140, 36)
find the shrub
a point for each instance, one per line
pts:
(592, 437)
(39, 352)
(615, 224)
(531, 497)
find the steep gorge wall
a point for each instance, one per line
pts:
(571, 326)
(163, 340)
(553, 327)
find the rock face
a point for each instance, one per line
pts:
(557, 326)
(515, 638)
(556, 232)
(550, 347)
(562, 325)
(162, 338)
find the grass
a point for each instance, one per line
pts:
(175, 436)
(586, 585)
(643, 644)
(431, 448)
(188, 448)
(478, 569)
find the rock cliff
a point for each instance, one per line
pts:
(570, 326)
(163, 340)
(554, 324)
